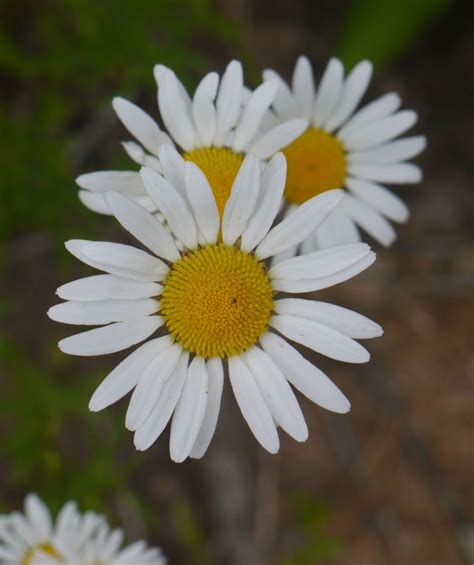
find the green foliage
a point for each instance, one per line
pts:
(381, 30)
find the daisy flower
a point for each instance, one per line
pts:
(215, 306)
(34, 538)
(215, 129)
(346, 148)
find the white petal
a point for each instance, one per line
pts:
(303, 87)
(110, 339)
(379, 131)
(160, 71)
(277, 138)
(340, 319)
(321, 263)
(39, 516)
(310, 285)
(140, 156)
(229, 101)
(396, 173)
(337, 229)
(173, 167)
(102, 312)
(189, 411)
(308, 245)
(107, 287)
(391, 152)
(284, 103)
(241, 203)
(276, 393)
(142, 126)
(215, 373)
(173, 207)
(252, 115)
(354, 89)
(305, 219)
(202, 201)
(127, 182)
(96, 202)
(370, 220)
(204, 111)
(150, 384)
(320, 338)
(156, 422)
(376, 110)
(271, 192)
(126, 374)
(303, 375)
(253, 407)
(329, 92)
(379, 198)
(142, 225)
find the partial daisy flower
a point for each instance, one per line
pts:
(34, 538)
(346, 148)
(215, 129)
(214, 304)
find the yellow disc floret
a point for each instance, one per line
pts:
(316, 163)
(217, 301)
(44, 547)
(220, 165)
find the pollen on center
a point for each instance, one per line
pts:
(316, 163)
(217, 301)
(220, 165)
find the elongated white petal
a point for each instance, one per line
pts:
(241, 203)
(149, 386)
(277, 138)
(173, 207)
(251, 404)
(271, 191)
(161, 71)
(107, 287)
(156, 422)
(126, 182)
(340, 319)
(110, 339)
(374, 111)
(329, 92)
(303, 87)
(379, 198)
(310, 285)
(380, 131)
(370, 220)
(142, 126)
(308, 245)
(305, 219)
(276, 393)
(284, 102)
(140, 156)
(126, 374)
(391, 152)
(395, 173)
(320, 338)
(337, 229)
(39, 516)
(95, 201)
(354, 88)
(320, 263)
(252, 115)
(204, 111)
(229, 101)
(215, 374)
(303, 375)
(202, 201)
(173, 167)
(143, 225)
(102, 311)
(189, 411)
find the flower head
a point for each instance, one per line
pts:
(213, 304)
(34, 538)
(346, 148)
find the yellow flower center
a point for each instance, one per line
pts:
(220, 165)
(45, 547)
(217, 301)
(316, 163)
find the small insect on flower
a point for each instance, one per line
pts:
(214, 304)
(345, 148)
(215, 129)
(34, 538)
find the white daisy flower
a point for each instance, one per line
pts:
(214, 305)
(34, 538)
(214, 129)
(346, 148)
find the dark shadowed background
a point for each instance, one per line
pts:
(390, 483)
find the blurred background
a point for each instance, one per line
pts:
(391, 482)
